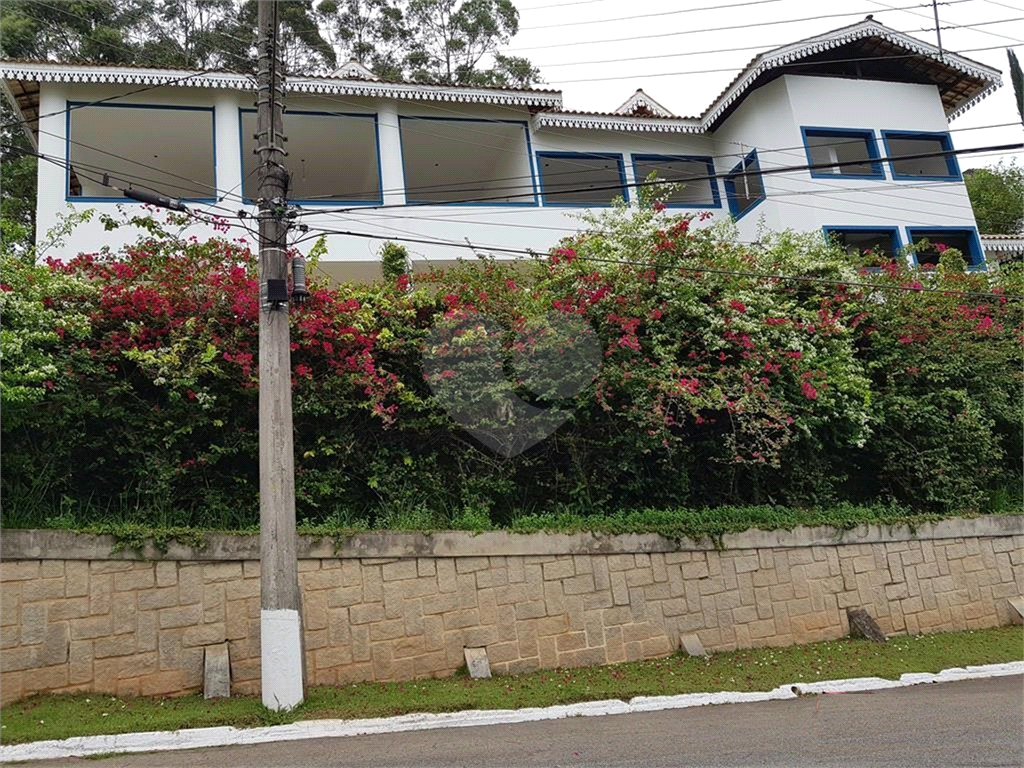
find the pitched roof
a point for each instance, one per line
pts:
(865, 50)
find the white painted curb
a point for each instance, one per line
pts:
(82, 746)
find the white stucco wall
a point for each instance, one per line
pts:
(769, 119)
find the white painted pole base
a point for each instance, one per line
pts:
(281, 659)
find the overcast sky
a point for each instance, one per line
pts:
(678, 54)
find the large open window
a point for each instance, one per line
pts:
(466, 161)
(332, 157)
(164, 149)
(939, 239)
(880, 242)
(846, 153)
(694, 178)
(744, 186)
(581, 179)
(901, 146)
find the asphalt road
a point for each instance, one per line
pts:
(967, 723)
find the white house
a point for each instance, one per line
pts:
(508, 170)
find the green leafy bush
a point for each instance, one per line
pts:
(129, 385)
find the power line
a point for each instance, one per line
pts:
(23, 121)
(674, 145)
(660, 13)
(695, 270)
(172, 174)
(733, 27)
(728, 175)
(926, 16)
(101, 181)
(733, 69)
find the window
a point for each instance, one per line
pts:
(694, 175)
(965, 240)
(744, 186)
(938, 167)
(883, 242)
(581, 179)
(332, 157)
(466, 161)
(160, 148)
(853, 152)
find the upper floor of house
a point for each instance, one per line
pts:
(845, 133)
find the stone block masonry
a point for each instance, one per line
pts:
(75, 615)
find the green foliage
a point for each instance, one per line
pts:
(997, 197)
(394, 261)
(129, 387)
(1017, 78)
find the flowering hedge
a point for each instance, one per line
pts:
(129, 382)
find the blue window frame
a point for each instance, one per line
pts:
(193, 180)
(881, 241)
(939, 167)
(448, 161)
(744, 187)
(695, 176)
(581, 179)
(316, 156)
(849, 153)
(964, 239)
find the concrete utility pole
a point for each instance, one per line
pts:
(280, 619)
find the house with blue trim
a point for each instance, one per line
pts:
(846, 133)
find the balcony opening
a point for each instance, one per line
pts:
(332, 157)
(694, 177)
(943, 167)
(581, 179)
(845, 152)
(164, 149)
(940, 239)
(466, 161)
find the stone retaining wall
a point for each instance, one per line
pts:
(76, 615)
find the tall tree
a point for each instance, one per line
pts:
(997, 197)
(305, 51)
(452, 39)
(83, 30)
(1017, 78)
(18, 169)
(373, 32)
(198, 34)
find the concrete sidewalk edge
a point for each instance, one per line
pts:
(84, 746)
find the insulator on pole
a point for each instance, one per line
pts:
(299, 291)
(151, 198)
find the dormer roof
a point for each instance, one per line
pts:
(642, 105)
(353, 69)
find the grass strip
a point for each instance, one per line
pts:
(48, 716)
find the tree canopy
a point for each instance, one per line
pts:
(445, 41)
(997, 196)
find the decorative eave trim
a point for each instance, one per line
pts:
(62, 73)
(1002, 244)
(615, 123)
(413, 92)
(789, 53)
